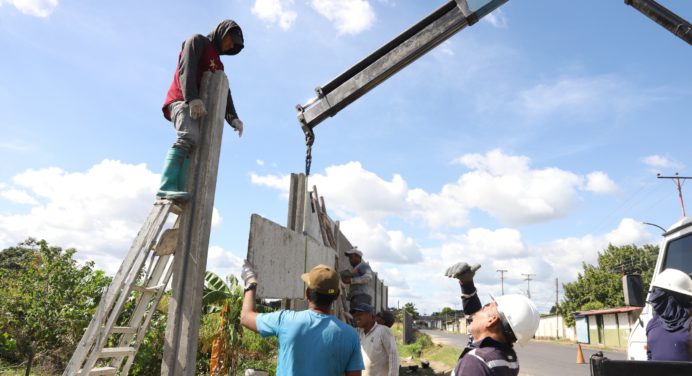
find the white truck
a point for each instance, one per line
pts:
(676, 253)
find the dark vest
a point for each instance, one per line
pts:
(210, 61)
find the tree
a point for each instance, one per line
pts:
(447, 311)
(600, 286)
(411, 309)
(47, 300)
(228, 347)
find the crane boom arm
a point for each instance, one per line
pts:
(391, 58)
(664, 17)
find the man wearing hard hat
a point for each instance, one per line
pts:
(668, 333)
(494, 327)
(361, 275)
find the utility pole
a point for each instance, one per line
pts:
(679, 187)
(528, 283)
(502, 279)
(557, 312)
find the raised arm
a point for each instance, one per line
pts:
(248, 314)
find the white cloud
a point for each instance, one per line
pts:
(98, 211)
(380, 245)
(566, 255)
(275, 12)
(223, 262)
(280, 183)
(599, 182)
(38, 8)
(348, 16)
(579, 97)
(658, 161)
(260, 162)
(505, 187)
(629, 231)
(18, 196)
(496, 19)
(351, 191)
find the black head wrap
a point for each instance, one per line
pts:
(672, 311)
(220, 31)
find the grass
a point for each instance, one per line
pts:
(441, 358)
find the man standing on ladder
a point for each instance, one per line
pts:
(184, 107)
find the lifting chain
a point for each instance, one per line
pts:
(309, 140)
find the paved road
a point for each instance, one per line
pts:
(537, 358)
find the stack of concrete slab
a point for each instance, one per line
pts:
(281, 254)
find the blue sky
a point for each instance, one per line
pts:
(527, 142)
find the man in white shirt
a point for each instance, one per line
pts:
(377, 343)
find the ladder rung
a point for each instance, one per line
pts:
(111, 352)
(124, 330)
(102, 371)
(147, 288)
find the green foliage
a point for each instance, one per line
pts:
(411, 309)
(447, 311)
(221, 335)
(7, 344)
(600, 286)
(48, 300)
(150, 354)
(416, 348)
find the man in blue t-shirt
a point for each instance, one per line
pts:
(311, 342)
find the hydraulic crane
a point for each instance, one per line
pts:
(413, 43)
(401, 51)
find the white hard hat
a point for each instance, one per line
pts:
(519, 317)
(674, 280)
(354, 251)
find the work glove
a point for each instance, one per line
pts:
(197, 109)
(248, 275)
(237, 125)
(462, 271)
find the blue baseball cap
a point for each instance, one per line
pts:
(362, 307)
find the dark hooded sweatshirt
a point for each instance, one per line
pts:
(669, 332)
(200, 54)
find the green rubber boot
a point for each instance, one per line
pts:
(172, 168)
(182, 177)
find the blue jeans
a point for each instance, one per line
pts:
(187, 129)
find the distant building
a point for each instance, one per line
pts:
(607, 327)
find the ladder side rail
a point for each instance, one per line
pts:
(361, 79)
(109, 296)
(154, 230)
(143, 304)
(142, 330)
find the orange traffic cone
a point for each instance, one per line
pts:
(580, 355)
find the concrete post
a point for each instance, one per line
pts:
(185, 306)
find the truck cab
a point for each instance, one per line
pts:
(675, 252)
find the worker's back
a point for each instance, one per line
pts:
(312, 343)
